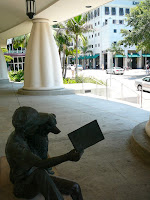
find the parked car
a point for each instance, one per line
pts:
(115, 70)
(79, 67)
(143, 84)
(69, 66)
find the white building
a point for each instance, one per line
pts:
(107, 21)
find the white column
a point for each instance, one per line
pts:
(42, 63)
(139, 60)
(109, 60)
(116, 62)
(3, 66)
(101, 60)
(94, 63)
(126, 59)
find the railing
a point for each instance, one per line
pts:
(109, 92)
(15, 51)
(124, 97)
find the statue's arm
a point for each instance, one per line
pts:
(51, 162)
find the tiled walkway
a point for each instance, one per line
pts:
(107, 170)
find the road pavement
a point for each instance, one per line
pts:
(122, 86)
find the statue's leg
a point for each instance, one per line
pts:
(68, 187)
(38, 182)
(46, 186)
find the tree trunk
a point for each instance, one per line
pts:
(63, 62)
(76, 55)
(65, 69)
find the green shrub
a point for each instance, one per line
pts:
(81, 79)
(16, 76)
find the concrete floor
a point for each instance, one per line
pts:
(107, 170)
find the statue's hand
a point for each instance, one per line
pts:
(73, 155)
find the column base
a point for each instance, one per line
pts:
(50, 92)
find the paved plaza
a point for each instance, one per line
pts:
(107, 170)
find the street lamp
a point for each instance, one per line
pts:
(30, 8)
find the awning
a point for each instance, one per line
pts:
(134, 55)
(146, 55)
(75, 58)
(89, 57)
(120, 56)
(96, 55)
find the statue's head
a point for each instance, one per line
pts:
(30, 120)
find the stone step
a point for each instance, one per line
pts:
(140, 142)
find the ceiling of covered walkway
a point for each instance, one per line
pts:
(14, 22)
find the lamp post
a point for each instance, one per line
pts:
(30, 8)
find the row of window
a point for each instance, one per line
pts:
(93, 14)
(108, 10)
(114, 22)
(112, 11)
(92, 46)
(96, 34)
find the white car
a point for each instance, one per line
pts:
(115, 70)
(79, 67)
(69, 66)
(143, 84)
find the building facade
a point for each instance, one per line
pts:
(107, 21)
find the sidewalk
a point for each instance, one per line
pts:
(107, 170)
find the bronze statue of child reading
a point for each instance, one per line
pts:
(27, 154)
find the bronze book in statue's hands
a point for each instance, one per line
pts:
(86, 136)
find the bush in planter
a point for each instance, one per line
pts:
(16, 76)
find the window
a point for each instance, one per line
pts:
(92, 46)
(92, 36)
(115, 42)
(106, 21)
(95, 34)
(115, 30)
(95, 24)
(113, 11)
(98, 12)
(95, 13)
(121, 22)
(114, 21)
(121, 11)
(106, 10)
(98, 22)
(98, 34)
(89, 36)
(127, 10)
(98, 45)
(95, 45)
(91, 15)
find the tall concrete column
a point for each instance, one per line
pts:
(109, 60)
(42, 63)
(94, 63)
(116, 62)
(3, 66)
(101, 60)
(139, 60)
(126, 59)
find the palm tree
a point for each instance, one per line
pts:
(63, 41)
(84, 49)
(21, 41)
(116, 49)
(7, 58)
(77, 26)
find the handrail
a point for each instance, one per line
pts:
(140, 97)
(125, 86)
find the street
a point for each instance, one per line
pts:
(122, 86)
